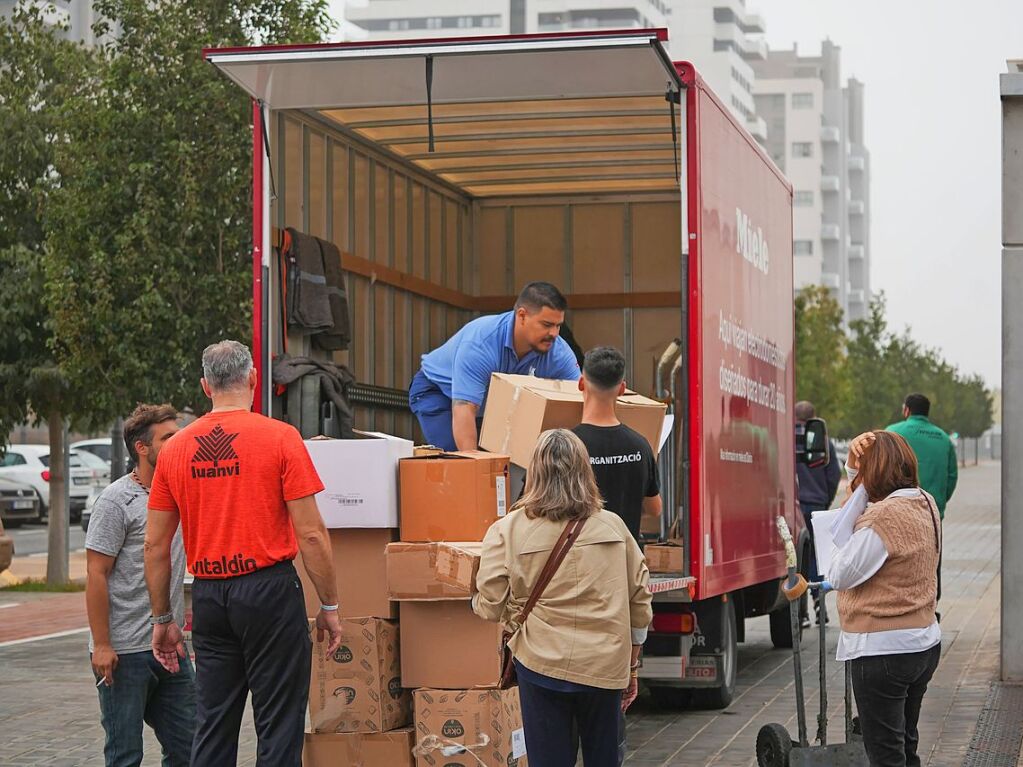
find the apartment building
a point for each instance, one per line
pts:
(76, 17)
(815, 135)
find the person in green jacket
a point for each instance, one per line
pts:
(935, 453)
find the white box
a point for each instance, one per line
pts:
(360, 478)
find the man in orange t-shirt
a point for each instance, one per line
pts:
(242, 486)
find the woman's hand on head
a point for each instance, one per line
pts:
(858, 446)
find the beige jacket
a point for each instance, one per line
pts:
(581, 628)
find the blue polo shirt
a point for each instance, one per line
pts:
(461, 368)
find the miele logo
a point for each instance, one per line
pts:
(750, 242)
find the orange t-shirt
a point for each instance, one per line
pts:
(228, 475)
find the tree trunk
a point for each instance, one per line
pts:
(59, 532)
(118, 465)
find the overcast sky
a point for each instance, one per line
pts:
(934, 133)
(933, 128)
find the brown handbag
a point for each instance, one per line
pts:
(557, 556)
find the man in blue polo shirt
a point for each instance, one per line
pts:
(449, 392)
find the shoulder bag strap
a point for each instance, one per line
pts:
(558, 553)
(934, 522)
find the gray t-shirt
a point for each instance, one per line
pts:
(117, 528)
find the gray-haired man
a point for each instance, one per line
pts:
(242, 486)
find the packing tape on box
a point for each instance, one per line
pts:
(508, 419)
(431, 743)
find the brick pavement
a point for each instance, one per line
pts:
(49, 714)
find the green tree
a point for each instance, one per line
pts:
(148, 232)
(820, 352)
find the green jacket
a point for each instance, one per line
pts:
(939, 468)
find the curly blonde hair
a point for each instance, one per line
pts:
(560, 484)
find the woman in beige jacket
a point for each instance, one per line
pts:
(577, 651)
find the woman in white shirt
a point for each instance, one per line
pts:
(888, 540)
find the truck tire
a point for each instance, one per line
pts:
(721, 697)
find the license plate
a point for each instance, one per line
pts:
(22, 504)
(702, 668)
(82, 480)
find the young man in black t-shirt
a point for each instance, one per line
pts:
(622, 460)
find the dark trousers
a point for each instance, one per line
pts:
(889, 690)
(144, 691)
(812, 573)
(551, 719)
(250, 635)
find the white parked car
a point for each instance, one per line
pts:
(31, 464)
(102, 447)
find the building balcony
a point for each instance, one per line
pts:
(831, 280)
(830, 232)
(757, 127)
(735, 13)
(731, 35)
(830, 183)
(830, 134)
(857, 163)
(857, 296)
(857, 252)
(857, 207)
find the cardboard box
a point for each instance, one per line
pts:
(358, 688)
(452, 496)
(358, 749)
(360, 570)
(520, 408)
(446, 646)
(432, 571)
(360, 478)
(487, 722)
(663, 557)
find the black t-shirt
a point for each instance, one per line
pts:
(624, 466)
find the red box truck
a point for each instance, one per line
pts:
(449, 172)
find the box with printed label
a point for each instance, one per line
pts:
(486, 723)
(452, 496)
(360, 478)
(358, 688)
(432, 571)
(520, 408)
(663, 557)
(359, 749)
(446, 645)
(360, 573)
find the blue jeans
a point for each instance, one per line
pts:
(143, 691)
(433, 410)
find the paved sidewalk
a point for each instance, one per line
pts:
(49, 713)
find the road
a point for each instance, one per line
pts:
(31, 539)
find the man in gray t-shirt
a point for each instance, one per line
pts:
(133, 687)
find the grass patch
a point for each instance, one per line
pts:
(40, 585)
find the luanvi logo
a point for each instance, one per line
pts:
(343, 655)
(216, 448)
(452, 729)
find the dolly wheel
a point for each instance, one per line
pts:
(773, 746)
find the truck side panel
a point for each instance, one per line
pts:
(742, 341)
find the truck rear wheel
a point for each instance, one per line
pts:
(722, 696)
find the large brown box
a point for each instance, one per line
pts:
(452, 496)
(432, 571)
(360, 569)
(359, 749)
(358, 688)
(663, 557)
(445, 645)
(520, 408)
(487, 722)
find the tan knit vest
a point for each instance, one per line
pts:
(902, 594)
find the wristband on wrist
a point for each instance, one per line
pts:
(155, 620)
(329, 608)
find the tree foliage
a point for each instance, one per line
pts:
(859, 381)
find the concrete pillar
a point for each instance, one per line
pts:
(1012, 374)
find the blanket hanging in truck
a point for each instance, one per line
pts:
(340, 335)
(308, 302)
(334, 383)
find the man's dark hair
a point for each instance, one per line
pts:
(805, 410)
(138, 427)
(918, 404)
(539, 295)
(604, 367)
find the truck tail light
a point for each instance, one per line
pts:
(46, 475)
(674, 623)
